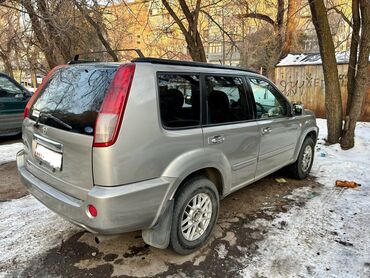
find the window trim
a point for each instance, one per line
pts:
(200, 99)
(205, 105)
(287, 102)
(24, 91)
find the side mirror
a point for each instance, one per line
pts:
(298, 108)
(19, 96)
(188, 99)
(27, 93)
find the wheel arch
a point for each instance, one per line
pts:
(312, 133)
(211, 173)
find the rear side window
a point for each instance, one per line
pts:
(74, 95)
(179, 100)
(226, 100)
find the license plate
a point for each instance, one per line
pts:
(53, 158)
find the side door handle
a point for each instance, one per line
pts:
(217, 139)
(266, 130)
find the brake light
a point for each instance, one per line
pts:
(110, 116)
(35, 94)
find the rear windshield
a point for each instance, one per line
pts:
(74, 95)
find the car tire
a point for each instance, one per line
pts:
(194, 216)
(302, 167)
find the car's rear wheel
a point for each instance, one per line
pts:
(302, 167)
(195, 215)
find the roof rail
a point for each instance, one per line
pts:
(77, 56)
(188, 63)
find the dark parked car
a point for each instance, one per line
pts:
(13, 100)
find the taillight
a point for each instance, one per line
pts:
(92, 210)
(110, 116)
(34, 96)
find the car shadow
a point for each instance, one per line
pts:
(4, 140)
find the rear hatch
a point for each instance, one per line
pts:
(58, 132)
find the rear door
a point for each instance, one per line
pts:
(279, 131)
(230, 127)
(13, 99)
(58, 135)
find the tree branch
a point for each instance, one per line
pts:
(176, 18)
(260, 16)
(98, 30)
(340, 12)
(222, 29)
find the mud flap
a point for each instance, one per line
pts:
(159, 235)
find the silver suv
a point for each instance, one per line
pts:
(153, 145)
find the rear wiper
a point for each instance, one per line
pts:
(50, 116)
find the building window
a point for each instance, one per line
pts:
(215, 48)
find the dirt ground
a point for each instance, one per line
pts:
(10, 184)
(88, 255)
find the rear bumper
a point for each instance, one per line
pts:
(120, 209)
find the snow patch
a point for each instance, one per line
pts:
(27, 229)
(221, 251)
(8, 152)
(329, 236)
(342, 57)
(332, 163)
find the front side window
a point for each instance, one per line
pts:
(179, 100)
(269, 102)
(8, 88)
(226, 99)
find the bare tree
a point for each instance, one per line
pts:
(190, 29)
(357, 69)
(8, 36)
(96, 24)
(60, 29)
(47, 46)
(284, 31)
(333, 98)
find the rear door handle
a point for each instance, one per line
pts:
(266, 130)
(217, 139)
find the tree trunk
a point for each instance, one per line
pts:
(360, 76)
(46, 48)
(283, 34)
(7, 64)
(290, 30)
(192, 37)
(196, 49)
(353, 54)
(56, 35)
(333, 98)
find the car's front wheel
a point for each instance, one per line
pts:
(195, 215)
(302, 167)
